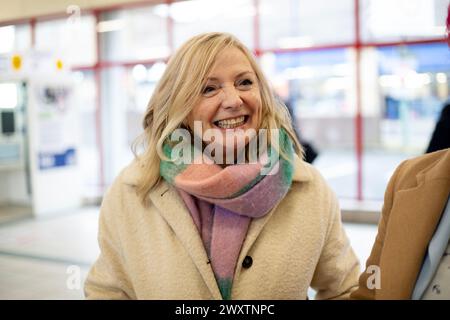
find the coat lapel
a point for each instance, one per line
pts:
(171, 207)
(412, 222)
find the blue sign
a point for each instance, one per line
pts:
(433, 57)
(49, 160)
(310, 58)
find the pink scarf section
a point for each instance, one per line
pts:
(223, 233)
(234, 229)
(223, 201)
(223, 230)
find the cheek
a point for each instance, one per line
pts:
(198, 112)
(254, 102)
(204, 112)
(254, 99)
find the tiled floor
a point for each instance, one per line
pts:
(42, 259)
(49, 258)
(27, 278)
(13, 213)
(70, 237)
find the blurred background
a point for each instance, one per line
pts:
(365, 80)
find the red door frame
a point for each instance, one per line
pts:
(358, 115)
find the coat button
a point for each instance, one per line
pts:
(247, 263)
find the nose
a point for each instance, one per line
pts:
(231, 98)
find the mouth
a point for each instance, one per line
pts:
(232, 123)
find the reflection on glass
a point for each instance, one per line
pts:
(134, 34)
(127, 93)
(9, 95)
(296, 23)
(404, 89)
(386, 20)
(85, 96)
(413, 86)
(198, 16)
(319, 87)
(14, 38)
(72, 40)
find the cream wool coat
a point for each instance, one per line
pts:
(156, 252)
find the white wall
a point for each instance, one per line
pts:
(13, 189)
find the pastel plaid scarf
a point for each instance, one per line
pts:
(222, 202)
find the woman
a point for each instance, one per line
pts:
(222, 229)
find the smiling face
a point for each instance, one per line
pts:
(230, 99)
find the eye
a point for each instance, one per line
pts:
(245, 84)
(209, 90)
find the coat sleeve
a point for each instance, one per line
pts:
(363, 292)
(107, 279)
(337, 271)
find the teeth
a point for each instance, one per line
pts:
(231, 123)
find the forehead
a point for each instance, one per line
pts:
(231, 60)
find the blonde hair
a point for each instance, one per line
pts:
(178, 91)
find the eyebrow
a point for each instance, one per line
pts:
(240, 74)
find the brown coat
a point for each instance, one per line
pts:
(413, 204)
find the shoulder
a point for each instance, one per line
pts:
(426, 161)
(445, 113)
(131, 174)
(310, 190)
(433, 165)
(123, 187)
(121, 203)
(307, 175)
(310, 201)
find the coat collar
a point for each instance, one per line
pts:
(302, 170)
(171, 207)
(413, 218)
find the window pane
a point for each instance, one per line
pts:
(15, 38)
(73, 40)
(318, 85)
(126, 95)
(305, 23)
(404, 90)
(387, 20)
(141, 82)
(86, 97)
(134, 34)
(198, 16)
